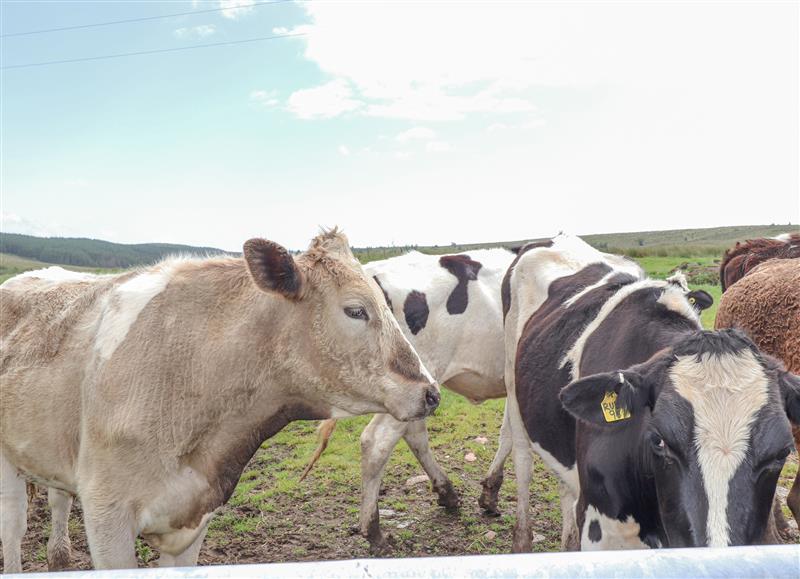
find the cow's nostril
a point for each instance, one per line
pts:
(432, 398)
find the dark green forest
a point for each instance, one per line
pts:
(93, 252)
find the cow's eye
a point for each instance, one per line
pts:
(776, 462)
(657, 444)
(357, 313)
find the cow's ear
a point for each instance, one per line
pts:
(790, 391)
(273, 268)
(700, 300)
(610, 398)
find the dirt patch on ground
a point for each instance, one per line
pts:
(273, 518)
(321, 527)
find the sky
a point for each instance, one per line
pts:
(401, 122)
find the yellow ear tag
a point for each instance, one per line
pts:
(692, 300)
(610, 411)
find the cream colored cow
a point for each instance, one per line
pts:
(146, 393)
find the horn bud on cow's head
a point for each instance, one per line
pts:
(273, 268)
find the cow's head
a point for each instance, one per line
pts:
(355, 357)
(707, 420)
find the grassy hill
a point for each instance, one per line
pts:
(660, 251)
(92, 253)
(706, 242)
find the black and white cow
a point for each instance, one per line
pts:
(449, 308)
(681, 433)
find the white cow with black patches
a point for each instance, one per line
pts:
(672, 421)
(449, 308)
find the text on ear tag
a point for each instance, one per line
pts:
(610, 411)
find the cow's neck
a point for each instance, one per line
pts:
(224, 455)
(270, 389)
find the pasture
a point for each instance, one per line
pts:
(273, 517)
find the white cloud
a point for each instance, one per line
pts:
(431, 78)
(234, 9)
(205, 30)
(324, 101)
(280, 30)
(437, 147)
(528, 124)
(344, 151)
(14, 223)
(266, 98)
(416, 133)
(195, 32)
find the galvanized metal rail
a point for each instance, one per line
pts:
(776, 561)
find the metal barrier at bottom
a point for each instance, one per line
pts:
(776, 561)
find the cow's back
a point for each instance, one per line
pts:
(449, 308)
(597, 319)
(556, 289)
(44, 330)
(38, 313)
(766, 304)
(542, 366)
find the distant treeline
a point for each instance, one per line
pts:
(705, 242)
(93, 252)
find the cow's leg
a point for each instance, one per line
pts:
(59, 549)
(13, 515)
(523, 465)
(189, 557)
(416, 436)
(110, 529)
(793, 500)
(377, 442)
(570, 537)
(494, 478)
(776, 525)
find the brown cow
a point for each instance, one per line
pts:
(146, 393)
(766, 304)
(745, 256)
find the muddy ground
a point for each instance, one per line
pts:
(274, 518)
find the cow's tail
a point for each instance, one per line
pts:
(324, 432)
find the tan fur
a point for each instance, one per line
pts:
(154, 437)
(324, 433)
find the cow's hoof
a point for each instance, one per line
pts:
(381, 546)
(489, 496)
(490, 511)
(522, 541)
(488, 502)
(59, 557)
(448, 498)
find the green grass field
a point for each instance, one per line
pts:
(273, 517)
